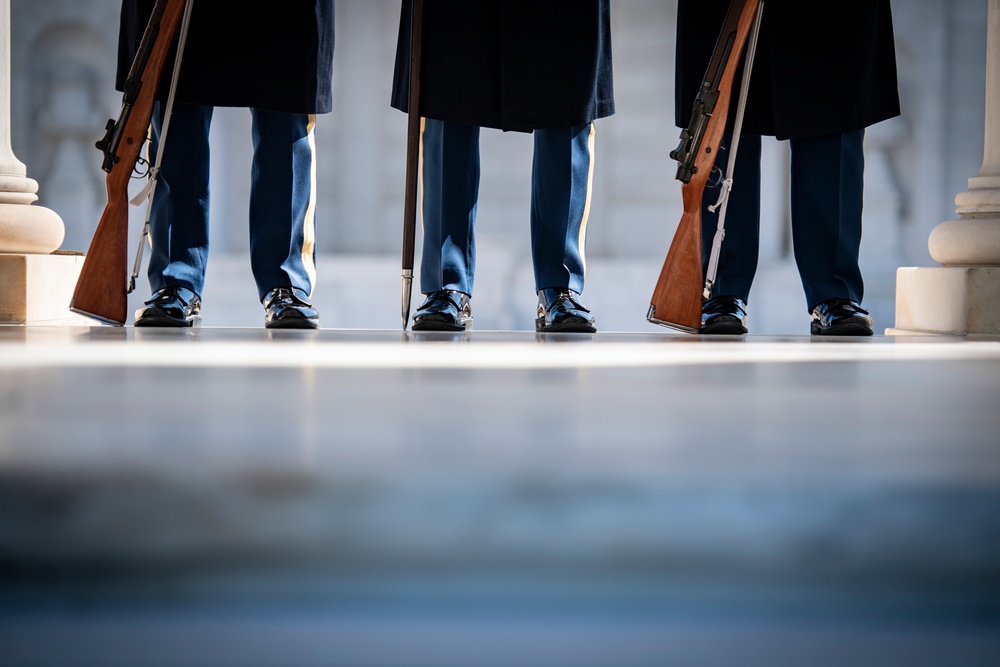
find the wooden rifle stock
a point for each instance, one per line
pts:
(101, 290)
(678, 294)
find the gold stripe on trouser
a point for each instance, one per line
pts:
(309, 223)
(420, 174)
(581, 240)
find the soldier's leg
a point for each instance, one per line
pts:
(450, 161)
(827, 195)
(561, 188)
(726, 311)
(178, 216)
(827, 199)
(283, 217)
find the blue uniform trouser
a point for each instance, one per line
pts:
(561, 177)
(282, 200)
(827, 188)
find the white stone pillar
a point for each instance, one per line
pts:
(37, 284)
(963, 295)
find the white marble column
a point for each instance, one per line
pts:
(963, 295)
(37, 284)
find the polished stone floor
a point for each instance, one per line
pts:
(379, 498)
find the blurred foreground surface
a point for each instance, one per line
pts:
(375, 498)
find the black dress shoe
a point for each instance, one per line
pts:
(840, 317)
(173, 306)
(444, 310)
(725, 315)
(560, 310)
(289, 308)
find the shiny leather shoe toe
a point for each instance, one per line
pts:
(840, 317)
(724, 315)
(289, 308)
(173, 306)
(560, 310)
(444, 310)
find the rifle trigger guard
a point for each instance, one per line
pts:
(143, 162)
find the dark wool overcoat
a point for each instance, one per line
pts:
(510, 64)
(820, 68)
(276, 56)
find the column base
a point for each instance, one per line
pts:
(37, 288)
(28, 229)
(956, 300)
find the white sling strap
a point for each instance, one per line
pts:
(727, 182)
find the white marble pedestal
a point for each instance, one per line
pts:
(38, 288)
(947, 300)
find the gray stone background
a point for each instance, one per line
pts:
(62, 95)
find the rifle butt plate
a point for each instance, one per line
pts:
(651, 317)
(100, 318)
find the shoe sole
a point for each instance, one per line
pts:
(167, 322)
(846, 329)
(292, 324)
(728, 329)
(566, 327)
(438, 325)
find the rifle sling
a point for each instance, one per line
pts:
(727, 182)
